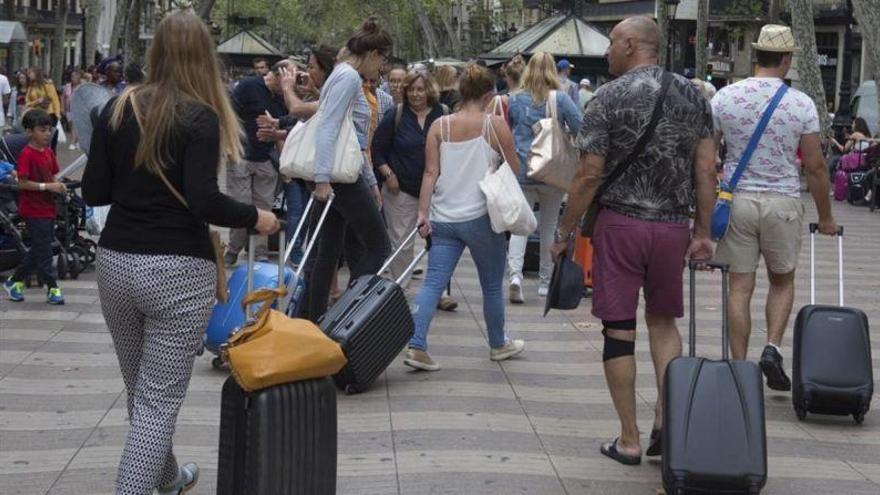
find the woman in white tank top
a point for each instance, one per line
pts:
(452, 210)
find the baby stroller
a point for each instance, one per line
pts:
(73, 252)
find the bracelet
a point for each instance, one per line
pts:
(558, 237)
(42, 186)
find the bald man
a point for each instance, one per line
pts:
(642, 234)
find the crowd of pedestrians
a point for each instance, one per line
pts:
(648, 143)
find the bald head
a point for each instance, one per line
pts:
(643, 29)
(635, 41)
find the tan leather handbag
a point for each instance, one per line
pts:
(275, 349)
(552, 159)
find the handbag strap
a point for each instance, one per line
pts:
(171, 188)
(495, 135)
(643, 139)
(551, 105)
(756, 136)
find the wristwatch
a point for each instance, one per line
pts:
(559, 237)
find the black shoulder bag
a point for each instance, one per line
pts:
(589, 221)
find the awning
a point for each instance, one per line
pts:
(247, 43)
(12, 31)
(561, 35)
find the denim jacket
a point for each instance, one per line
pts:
(524, 114)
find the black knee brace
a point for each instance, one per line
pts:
(615, 348)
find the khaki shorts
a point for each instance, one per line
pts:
(766, 224)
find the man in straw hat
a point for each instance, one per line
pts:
(767, 213)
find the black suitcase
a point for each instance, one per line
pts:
(279, 440)
(713, 435)
(831, 366)
(857, 187)
(372, 321)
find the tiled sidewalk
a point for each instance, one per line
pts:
(529, 426)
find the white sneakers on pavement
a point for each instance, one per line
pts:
(516, 290)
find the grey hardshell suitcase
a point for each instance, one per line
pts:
(372, 321)
(713, 434)
(831, 367)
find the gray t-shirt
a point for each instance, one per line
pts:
(659, 186)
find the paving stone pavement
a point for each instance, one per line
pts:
(531, 425)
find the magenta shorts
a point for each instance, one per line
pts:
(629, 254)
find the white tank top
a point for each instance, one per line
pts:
(457, 195)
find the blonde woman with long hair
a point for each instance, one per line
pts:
(155, 263)
(526, 107)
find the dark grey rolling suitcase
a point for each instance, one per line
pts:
(279, 440)
(831, 366)
(713, 435)
(372, 321)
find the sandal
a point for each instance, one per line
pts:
(655, 448)
(610, 450)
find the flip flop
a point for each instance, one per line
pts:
(655, 448)
(610, 450)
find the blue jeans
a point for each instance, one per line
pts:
(488, 250)
(38, 258)
(296, 196)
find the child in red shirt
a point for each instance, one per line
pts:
(36, 168)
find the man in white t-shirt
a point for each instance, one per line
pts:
(767, 213)
(5, 91)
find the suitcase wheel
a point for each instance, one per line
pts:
(859, 417)
(801, 413)
(352, 389)
(218, 363)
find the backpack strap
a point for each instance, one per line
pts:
(398, 114)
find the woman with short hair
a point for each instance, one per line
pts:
(399, 156)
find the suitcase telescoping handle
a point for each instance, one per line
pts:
(814, 227)
(415, 261)
(695, 265)
(306, 214)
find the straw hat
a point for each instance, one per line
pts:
(775, 38)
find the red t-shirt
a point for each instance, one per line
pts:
(37, 166)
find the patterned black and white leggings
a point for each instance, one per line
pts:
(157, 308)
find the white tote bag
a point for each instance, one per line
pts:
(297, 159)
(552, 159)
(509, 210)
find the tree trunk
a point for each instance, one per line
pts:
(119, 21)
(702, 41)
(810, 76)
(206, 8)
(773, 12)
(9, 10)
(93, 19)
(427, 29)
(454, 42)
(58, 41)
(867, 13)
(133, 50)
(663, 25)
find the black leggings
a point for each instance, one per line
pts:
(355, 208)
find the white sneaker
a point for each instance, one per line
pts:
(71, 147)
(186, 480)
(516, 290)
(543, 291)
(508, 350)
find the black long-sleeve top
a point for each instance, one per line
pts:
(145, 217)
